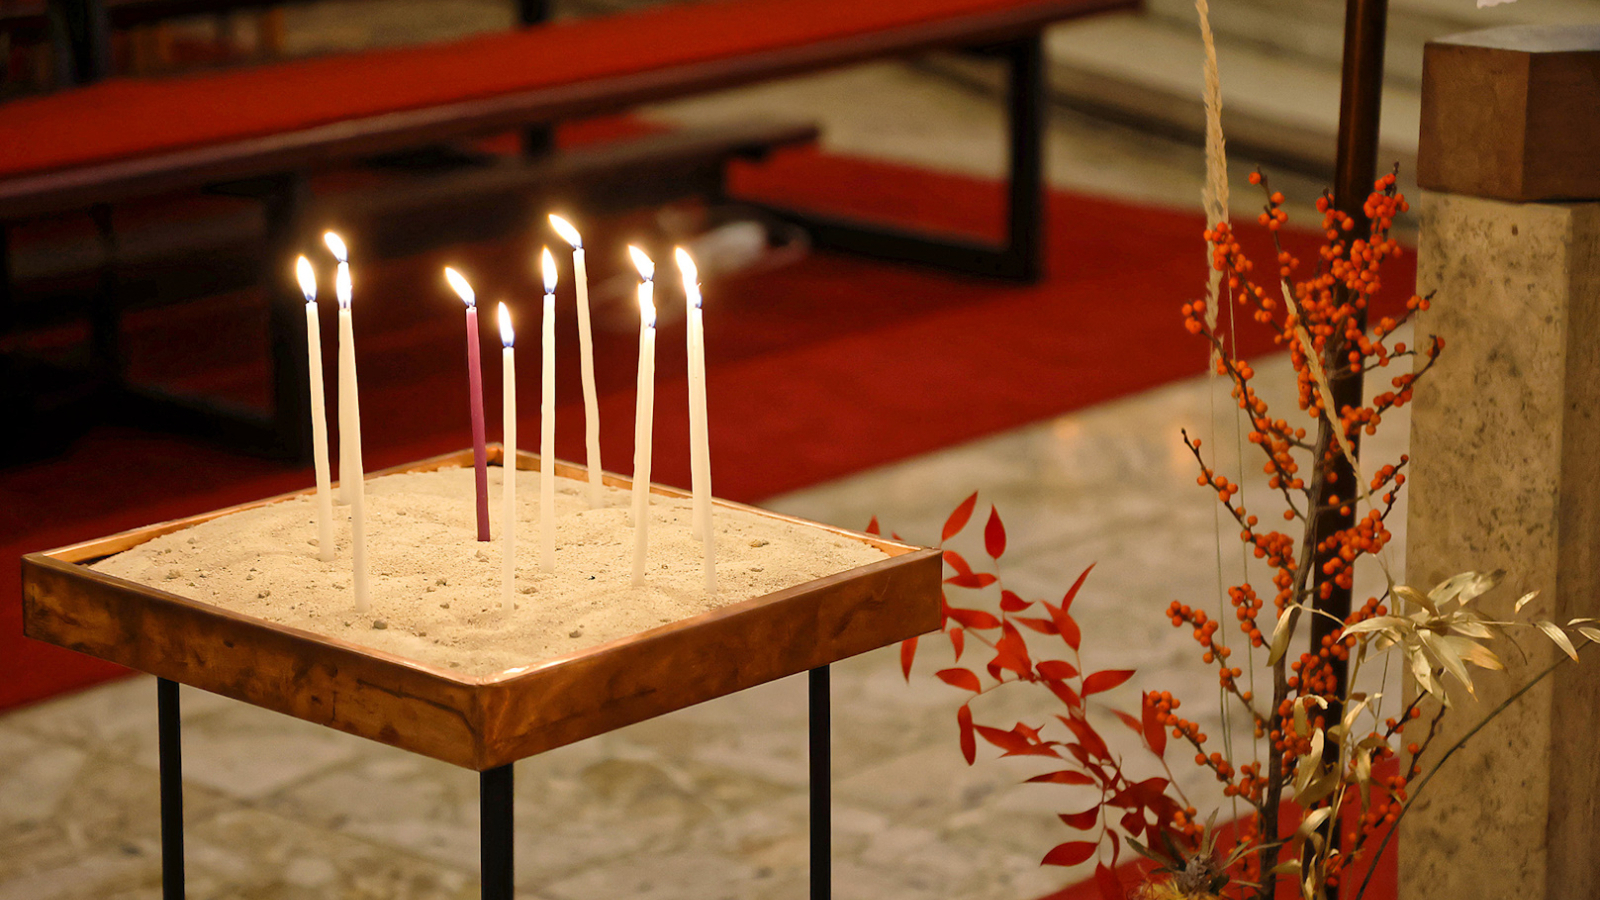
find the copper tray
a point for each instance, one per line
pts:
(476, 722)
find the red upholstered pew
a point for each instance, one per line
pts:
(270, 126)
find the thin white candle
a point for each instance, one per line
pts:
(340, 252)
(508, 462)
(350, 434)
(699, 439)
(547, 421)
(591, 402)
(319, 410)
(644, 410)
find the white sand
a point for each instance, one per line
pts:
(435, 589)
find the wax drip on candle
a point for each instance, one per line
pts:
(547, 419)
(699, 441)
(644, 411)
(319, 415)
(508, 462)
(480, 453)
(591, 399)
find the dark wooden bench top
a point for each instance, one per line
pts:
(126, 137)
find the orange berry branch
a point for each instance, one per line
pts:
(1329, 774)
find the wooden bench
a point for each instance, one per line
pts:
(268, 127)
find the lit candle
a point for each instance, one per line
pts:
(319, 411)
(341, 253)
(645, 407)
(480, 454)
(699, 442)
(547, 421)
(508, 462)
(350, 434)
(591, 403)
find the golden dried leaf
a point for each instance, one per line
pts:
(1414, 597)
(1312, 821)
(1558, 636)
(1523, 600)
(1448, 657)
(1480, 585)
(1446, 590)
(1590, 632)
(1280, 636)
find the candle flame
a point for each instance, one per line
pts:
(308, 279)
(336, 246)
(647, 269)
(459, 283)
(507, 335)
(341, 285)
(691, 275)
(567, 232)
(548, 264)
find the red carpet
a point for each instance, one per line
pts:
(816, 371)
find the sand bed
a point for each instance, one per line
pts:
(435, 590)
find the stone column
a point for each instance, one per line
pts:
(1505, 443)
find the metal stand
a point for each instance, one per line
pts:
(1020, 258)
(821, 785)
(170, 732)
(497, 857)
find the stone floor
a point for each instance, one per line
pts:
(710, 803)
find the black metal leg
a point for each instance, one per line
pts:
(1025, 109)
(1021, 256)
(81, 33)
(821, 785)
(171, 750)
(537, 140)
(496, 856)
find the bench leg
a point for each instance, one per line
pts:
(1020, 257)
(821, 756)
(81, 34)
(170, 741)
(537, 140)
(497, 858)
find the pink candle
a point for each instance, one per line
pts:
(480, 453)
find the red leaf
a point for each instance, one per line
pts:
(1064, 692)
(1129, 721)
(1010, 602)
(973, 618)
(994, 534)
(1011, 651)
(1091, 739)
(1133, 822)
(958, 640)
(1083, 821)
(961, 678)
(955, 561)
(958, 519)
(908, 652)
(1145, 793)
(1072, 592)
(1106, 880)
(1066, 626)
(971, 580)
(1105, 681)
(1056, 668)
(1009, 741)
(1154, 734)
(969, 743)
(1065, 776)
(1070, 854)
(872, 527)
(1043, 626)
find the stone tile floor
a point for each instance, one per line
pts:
(709, 803)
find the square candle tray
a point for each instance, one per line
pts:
(476, 722)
